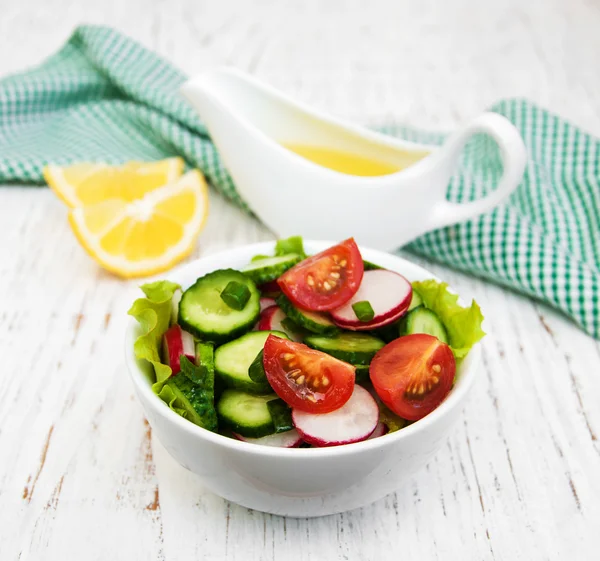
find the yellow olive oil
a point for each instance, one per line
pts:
(348, 162)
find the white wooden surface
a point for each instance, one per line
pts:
(81, 477)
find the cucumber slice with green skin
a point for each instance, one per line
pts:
(246, 414)
(355, 348)
(361, 374)
(203, 313)
(313, 321)
(423, 320)
(196, 400)
(270, 268)
(388, 333)
(233, 360)
(416, 301)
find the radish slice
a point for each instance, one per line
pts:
(353, 422)
(270, 320)
(288, 439)
(389, 294)
(177, 342)
(380, 430)
(266, 303)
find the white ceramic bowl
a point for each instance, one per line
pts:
(299, 482)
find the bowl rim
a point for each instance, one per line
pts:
(454, 399)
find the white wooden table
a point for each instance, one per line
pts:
(81, 476)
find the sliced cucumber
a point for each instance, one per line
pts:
(416, 301)
(313, 321)
(203, 313)
(246, 414)
(195, 400)
(355, 348)
(270, 268)
(361, 374)
(233, 360)
(388, 333)
(423, 320)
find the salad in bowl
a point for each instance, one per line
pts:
(304, 351)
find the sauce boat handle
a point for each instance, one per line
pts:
(514, 159)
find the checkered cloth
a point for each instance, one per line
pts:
(104, 97)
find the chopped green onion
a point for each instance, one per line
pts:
(363, 310)
(281, 414)
(256, 371)
(290, 245)
(235, 295)
(259, 257)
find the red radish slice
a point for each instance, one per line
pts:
(270, 320)
(389, 294)
(380, 430)
(288, 439)
(353, 422)
(177, 342)
(266, 303)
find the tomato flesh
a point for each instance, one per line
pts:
(413, 374)
(306, 379)
(326, 280)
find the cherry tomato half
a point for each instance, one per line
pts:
(306, 379)
(413, 374)
(326, 280)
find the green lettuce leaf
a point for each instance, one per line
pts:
(462, 324)
(167, 394)
(290, 245)
(196, 388)
(153, 313)
(293, 244)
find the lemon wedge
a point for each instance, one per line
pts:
(148, 234)
(87, 183)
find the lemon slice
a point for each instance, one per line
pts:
(147, 235)
(86, 183)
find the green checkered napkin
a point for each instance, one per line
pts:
(103, 97)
